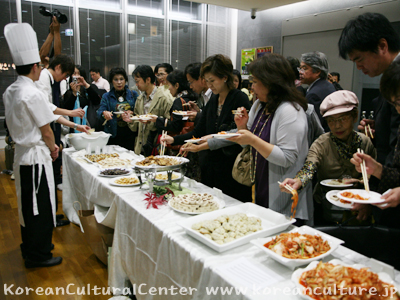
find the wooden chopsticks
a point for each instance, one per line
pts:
(184, 152)
(364, 172)
(162, 147)
(370, 131)
(288, 187)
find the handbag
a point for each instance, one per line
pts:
(243, 167)
(243, 170)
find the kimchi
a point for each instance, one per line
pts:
(298, 246)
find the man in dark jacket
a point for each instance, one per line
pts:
(314, 71)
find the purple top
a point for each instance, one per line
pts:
(262, 186)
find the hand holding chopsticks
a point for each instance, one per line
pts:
(369, 130)
(163, 143)
(286, 186)
(364, 172)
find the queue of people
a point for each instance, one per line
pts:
(275, 127)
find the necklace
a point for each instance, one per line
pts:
(253, 174)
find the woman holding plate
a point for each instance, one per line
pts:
(216, 166)
(329, 156)
(118, 100)
(276, 130)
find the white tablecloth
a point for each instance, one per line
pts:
(151, 250)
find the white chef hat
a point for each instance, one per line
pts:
(22, 42)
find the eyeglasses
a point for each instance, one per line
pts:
(301, 70)
(190, 82)
(161, 75)
(340, 120)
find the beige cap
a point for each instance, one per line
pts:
(22, 42)
(338, 102)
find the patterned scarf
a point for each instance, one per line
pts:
(345, 149)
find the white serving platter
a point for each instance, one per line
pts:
(165, 173)
(272, 222)
(294, 263)
(373, 197)
(297, 275)
(329, 196)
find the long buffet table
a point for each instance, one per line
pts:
(151, 251)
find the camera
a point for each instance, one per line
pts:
(253, 13)
(61, 18)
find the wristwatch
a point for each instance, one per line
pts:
(75, 126)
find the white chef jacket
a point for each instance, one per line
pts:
(27, 110)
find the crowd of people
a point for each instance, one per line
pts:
(299, 136)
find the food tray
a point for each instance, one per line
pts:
(293, 263)
(272, 222)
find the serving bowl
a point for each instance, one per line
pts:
(81, 140)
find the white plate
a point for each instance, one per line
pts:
(373, 197)
(225, 136)
(300, 288)
(220, 202)
(183, 113)
(293, 263)
(337, 202)
(112, 182)
(193, 141)
(326, 183)
(112, 176)
(272, 222)
(165, 173)
(118, 112)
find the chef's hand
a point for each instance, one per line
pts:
(168, 139)
(241, 118)
(83, 128)
(364, 211)
(79, 112)
(294, 183)
(364, 123)
(107, 115)
(126, 116)
(392, 199)
(245, 137)
(54, 153)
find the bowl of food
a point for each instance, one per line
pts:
(81, 140)
(299, 246)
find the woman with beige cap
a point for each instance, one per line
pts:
(329, 156)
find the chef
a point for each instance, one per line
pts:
(28, 118)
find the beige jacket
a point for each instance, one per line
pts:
(160, 106)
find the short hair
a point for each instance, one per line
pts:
(193, 70)
(237, 73)
(66, 63)
(390, 81)
(117, 71)
(144, 72)
(25, 69)
(219, 65)
(294, 63)
(364, 32)
(168, 68)
(179, 77)
(275, 73)
(156, 68)
(96, 70)
(336, 74)
(317, 61)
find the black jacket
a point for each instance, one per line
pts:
(319, 90)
